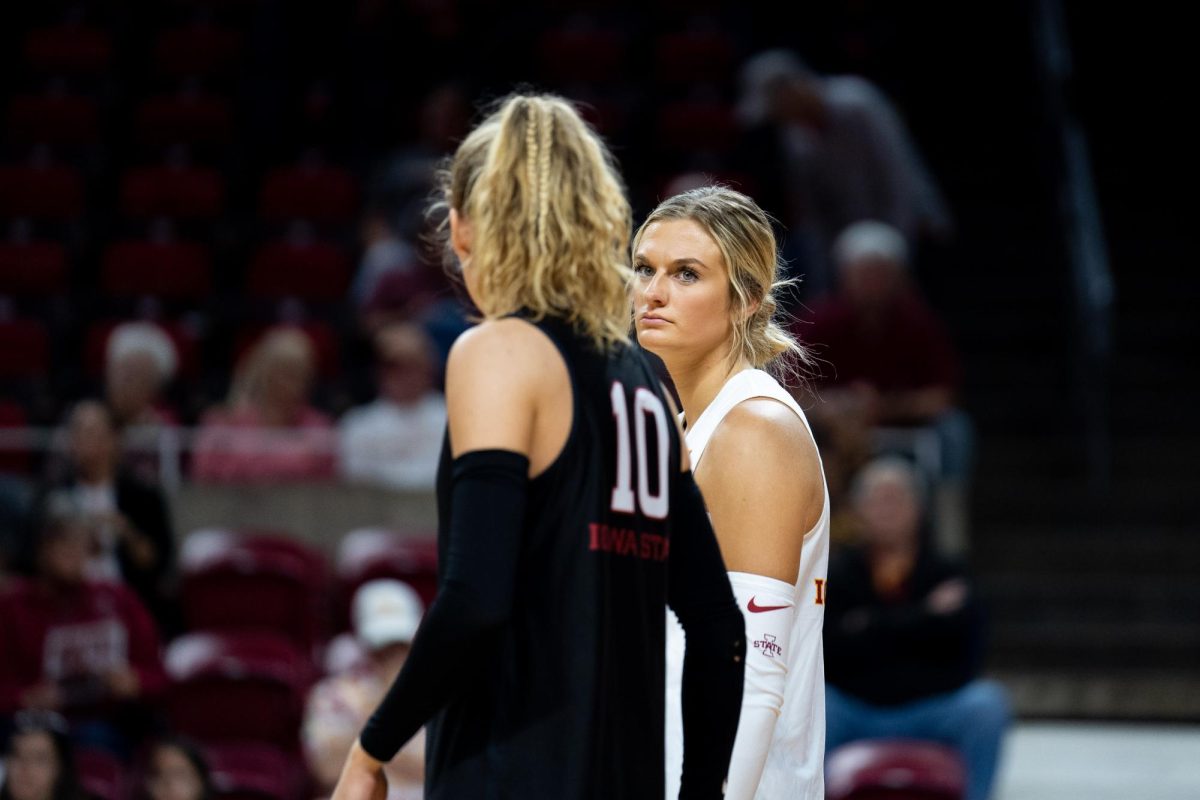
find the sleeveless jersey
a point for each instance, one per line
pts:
(795, 762)
(571, 704)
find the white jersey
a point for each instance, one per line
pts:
(795, 762)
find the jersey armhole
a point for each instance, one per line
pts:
(565, 360)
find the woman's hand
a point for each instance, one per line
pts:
(362, 777)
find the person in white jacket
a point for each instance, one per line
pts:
(706, 267)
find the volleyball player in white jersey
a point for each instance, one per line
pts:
(705, 267)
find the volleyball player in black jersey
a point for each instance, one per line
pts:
(567, 514)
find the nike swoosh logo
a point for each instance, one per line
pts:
(755, 608)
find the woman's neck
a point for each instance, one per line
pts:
(698, 381)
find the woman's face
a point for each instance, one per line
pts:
(681, 300)
(172, 777)
(32, 767)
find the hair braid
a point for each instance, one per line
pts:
(546, 134)
(532, 140)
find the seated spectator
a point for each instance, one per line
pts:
(891, 360)
(903, 633)
(139, 363)
(396, 440)
(128, 519)
(177, 770)
(268, 431)
(87, 649)
(839, 152)
(38, 761)
(386, 615)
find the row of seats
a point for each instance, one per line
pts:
(45, 190)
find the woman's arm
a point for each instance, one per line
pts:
(761, 478)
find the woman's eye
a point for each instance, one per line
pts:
(644, 270)
(688, 275)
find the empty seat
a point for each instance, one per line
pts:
(189, 117)
(237, 687)
(693, 125)
(694, 57)
(68, 49)
(33, 269)
(24, 349)
(54, 117)
(183, 192)
(894, 769)
(369, 553)
(255, 581)
(42, 191)
(170, 270)
(315, 192)
(199, 49)
(586, 55)
(305, 269)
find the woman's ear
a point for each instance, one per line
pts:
(460, 236)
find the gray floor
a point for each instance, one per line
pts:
(1090, 761)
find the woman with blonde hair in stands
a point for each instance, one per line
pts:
(268, 431)
(564, 502)
(704, 301)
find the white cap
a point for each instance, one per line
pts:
(144, 337)
(870, 239)
(386, 611)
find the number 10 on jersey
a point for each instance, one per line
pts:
(646, 406)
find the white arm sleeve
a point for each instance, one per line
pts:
(769, 606)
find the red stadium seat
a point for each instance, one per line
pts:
(200, 49)
(24, 349)
(315, 192)
(69, 48)
(895, 769)
(237, 687)
(101, 774)
(315, 271)
(184, 192)
(15, 459)
(254, 772)
(171, 270)
(188, 117)
(53, 118)
(584, 55)
(42, 191)
(33, 269)
(693, 125)
(694, 57)
(255, 581)
(369, 553)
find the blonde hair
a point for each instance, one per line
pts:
(549, 217)
(281, 344)
(742, 232)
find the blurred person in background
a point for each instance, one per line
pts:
(704, 300)
(846, 155)
(891, 363)
(395, 440)
(904, 634)
(82, 647)
(268, 431)
(386, 614)
(177, 770)
(140, 362)
(129, 521)
(39, 759)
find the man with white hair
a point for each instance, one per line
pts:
(140, 359)
(846, 156)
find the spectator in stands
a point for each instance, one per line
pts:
(386, 614)
(177, 770)
(903, 634)
(268, 431)
(39, 761)
(140, 362)
(840, 153)
(127, 517)
(87, 649)
(891, 361)
(395, 441)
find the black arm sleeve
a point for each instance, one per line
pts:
(715, 657)
(487, 509)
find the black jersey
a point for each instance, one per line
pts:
(570, 704)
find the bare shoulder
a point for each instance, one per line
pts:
(506, 345)
(762, 434)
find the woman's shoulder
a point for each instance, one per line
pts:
(507, 343)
